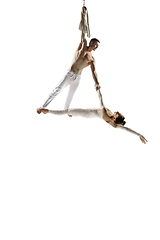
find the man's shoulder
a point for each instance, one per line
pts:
(93, 61)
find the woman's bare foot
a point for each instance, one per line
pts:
(39, 110)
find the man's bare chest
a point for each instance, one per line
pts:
(88, 57)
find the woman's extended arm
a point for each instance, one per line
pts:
(134, 132)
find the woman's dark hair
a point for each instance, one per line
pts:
(120, 119)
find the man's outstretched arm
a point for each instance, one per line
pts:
(134, 132)
(95, 76)
(97, 86)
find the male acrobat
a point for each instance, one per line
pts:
(82, 59)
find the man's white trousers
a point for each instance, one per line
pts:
(72, 80)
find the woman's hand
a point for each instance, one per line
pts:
(143, 139)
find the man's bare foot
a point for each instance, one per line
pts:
(39, 110)
(69, 115)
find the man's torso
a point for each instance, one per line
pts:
(81, 61)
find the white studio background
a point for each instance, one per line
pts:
(75, 178)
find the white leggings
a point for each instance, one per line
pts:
(79, 112)
(71, 78)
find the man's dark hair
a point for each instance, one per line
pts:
(94, 40)
(120, 119)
